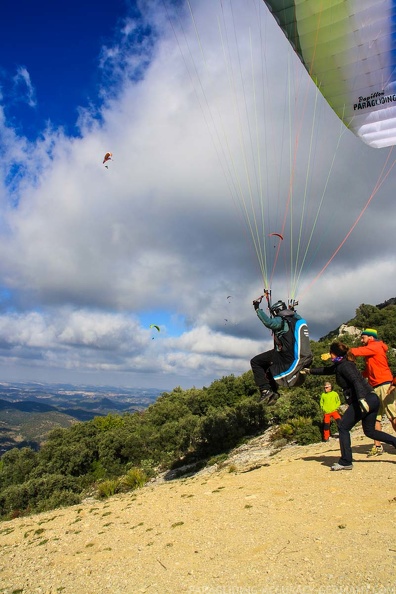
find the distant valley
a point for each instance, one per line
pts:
(29, 411)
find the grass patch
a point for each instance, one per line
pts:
(217, 459)
(39, 531)
(7, 531)
(108, 488)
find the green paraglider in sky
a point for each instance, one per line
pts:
(156, 327)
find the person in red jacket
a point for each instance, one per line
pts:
(363, 402)
(379, 376)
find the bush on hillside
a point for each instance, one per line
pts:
(36, 494)
(299, 430)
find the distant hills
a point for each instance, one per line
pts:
(29, 411)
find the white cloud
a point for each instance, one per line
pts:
(23, 87)
(87, 252)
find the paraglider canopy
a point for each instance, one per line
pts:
(154, 326)
(347, 48)
(277, 235)
(107, 157)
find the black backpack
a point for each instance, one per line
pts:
(302, 355)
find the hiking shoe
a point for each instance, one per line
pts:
(265, 395)
(375, 451)
(337, 466)
(268, 396)
(273, 398)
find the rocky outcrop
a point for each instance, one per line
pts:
(350, 330)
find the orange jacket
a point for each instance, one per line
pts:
(377, 368)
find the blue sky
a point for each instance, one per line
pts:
(58, 47)
(92, 256)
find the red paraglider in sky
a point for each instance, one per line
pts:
(277, 235)
(106, 158)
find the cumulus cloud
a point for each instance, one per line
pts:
(174, 225)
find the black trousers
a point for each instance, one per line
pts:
(260, 365)
(350, 418)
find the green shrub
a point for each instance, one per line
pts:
(134, 479)
(306, 433)
(58, 499)
(14, 498)
(108, 488)
(300, 430)
(97, 470)
(217, 459)
(30, 495)
(17, 466)
(281, 410)
(218, 431)
(148, 467)
(283, 432)
(302, 404)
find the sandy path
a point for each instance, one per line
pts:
(289, 525)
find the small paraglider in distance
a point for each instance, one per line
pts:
(107, 157)
(276, 235)
(156, 327)
(229, 300)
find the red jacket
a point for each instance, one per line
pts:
(377, 368)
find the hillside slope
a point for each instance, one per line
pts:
(266, 522)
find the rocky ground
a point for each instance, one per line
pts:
(265, 521)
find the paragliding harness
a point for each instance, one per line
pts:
(301, 356)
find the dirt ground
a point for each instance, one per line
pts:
(265, 522)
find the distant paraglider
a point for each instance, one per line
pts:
(107, 157)
(156, 327)
(277, 235)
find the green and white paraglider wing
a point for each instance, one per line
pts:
(349, 49)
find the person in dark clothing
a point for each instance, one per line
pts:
(281, 365)
(362, 400)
